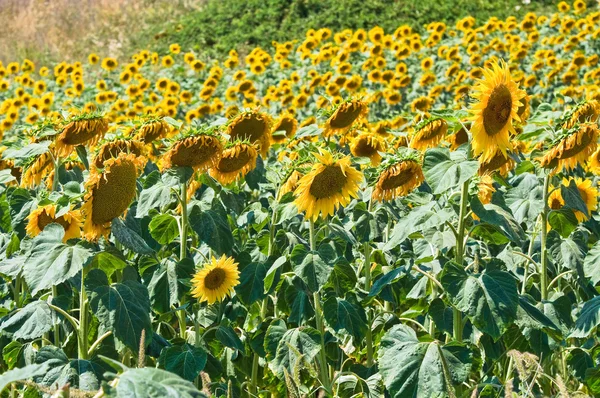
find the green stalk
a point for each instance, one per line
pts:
(182, 253)
(319, 321)
(369, 336)
(56, 326)
(544, 262)
(56, 162)
(458, 256)
(83, 327)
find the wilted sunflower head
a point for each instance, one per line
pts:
(152, 130)
(200, 152)
(368, 145)
(485, 188)
(284, 128)
(571, 147)
(109, 193)
(87, 128)
(216, 280)
(37, 170)
(253, 126)
(498, 101)
(398, 176)
(112, 149)
(331, 183)
(584, 112)
(429, 133)
(342, 117)
(236, 161)
(70, 220)
(501, 162)
(291, 183)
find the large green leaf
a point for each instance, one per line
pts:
(525, 199)
(310, 267)
(252, 283)
(78, 373)
(346, 315)
(568, 252)
(164, 228)
(445, 170)
(22, 155)
(212, 228)
(572, 197)
(50, 262)
(498, 217)
(183, 360)
(588, 318)
(295, 347)
(30, 322)
(411, 368)
(122, 308)
(490, 299)
(157, 195)
(129, 238)
(169, 281)
(151, 382)
(25, 373)
(590, 263)
(421, 218)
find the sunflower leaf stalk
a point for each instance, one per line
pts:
(181, 316)
(543, 237)
(458, 255)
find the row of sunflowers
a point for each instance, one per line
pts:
(358, 213)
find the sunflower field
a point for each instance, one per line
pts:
(353, 214)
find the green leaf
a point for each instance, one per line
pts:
(50, 262)
(169, 280)
(489, 299)
(579, 362)
(411, 368)
(227, 336)
(525, 199)
(151, 382)
(164, 228)
(441, 315)
(213, 229)
(273, 336)
(183, 360)
(572, 197)
(445, 170)
(129, 238)
(252, 283)
(21, 155)
(498, 217)
(568, 252)
(6, 176)
(588, 318)
(421, 218)
(590, 264)
(78, 373)
(346, 314)
(30, 322)
(563, 221)
(273, 272)
(592, 380)
(26, 373)
(309, 267)
(156, 196)
(295, 347)
(122, 308)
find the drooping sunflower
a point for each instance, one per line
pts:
(236, 161)
(498, 101)
(291, 183)
(200, 152)
(109, 192)
(501, 162)
(284, 128)
(368, 145)
(584, 112)
(485, 188)
(589, 194)
(253, 126)
(593, 164)
(331, 183)
(112, 149)
(216, 280)
(153, 130)
(574, 146)
(36, 171)
(429, 133)
(45, 215)
(82, 129)
(398, 178)
(459, 138)
(343, 116)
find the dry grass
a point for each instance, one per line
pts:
(54, 30)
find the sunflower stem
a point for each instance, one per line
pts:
(181, 316)
(83, 330)
(544, 260)
(56, 326)
(458, 255)
(369, 336)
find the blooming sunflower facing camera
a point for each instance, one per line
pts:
(330, 183)
(216, 280)
(498, 101)
(45, 215)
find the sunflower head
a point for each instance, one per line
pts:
(501, 162)
(584, 112)
(571, 147)
(485, 188)
(153, 129)
(45, 215)
(237, 160)
(496, 108)
(216, 280)
(342, 116)
(331, 183)
(284, 128)
(112, 149)
(109, 192)
(368, 145)
(429, 133)
(199, 151)
(253, 126)
(87, 128)
(398, 176)
(37, 170)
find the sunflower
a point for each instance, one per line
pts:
(331, 183)
(343, 116)
(235, 162)
(42, 216)
(287, 126)
(555, 199)
(499, 161)
(253, 126)
(459, 138)
(200, 152)
(40, 168)
(594, 162)
(429, 133)
(153, 130)
(572, 148)
(83, 129)
(112, 149)
(585, 112)
(368, 145)
(216, 280)
(109, 194)
(291, 183)
(398, 179)
(485, 189)
(588, 193)
(493, 114)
